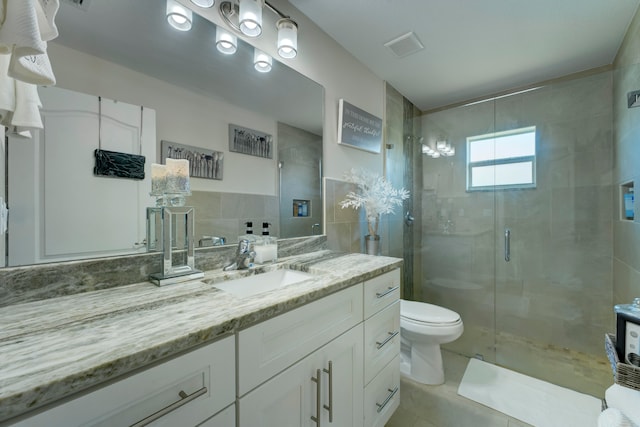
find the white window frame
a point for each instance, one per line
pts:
(503, 161)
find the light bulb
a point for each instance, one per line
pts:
(226, 42)
(250, 17)
(261, 61)
(178, 16)
(204, 3)
(287, 38)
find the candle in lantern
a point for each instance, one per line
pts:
(158, 179)
(178, 176)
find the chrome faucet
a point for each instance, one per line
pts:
(244, 256)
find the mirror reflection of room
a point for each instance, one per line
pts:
(76, 215)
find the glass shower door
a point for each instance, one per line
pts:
(553, 291)
(458, 246)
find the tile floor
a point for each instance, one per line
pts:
(440, 406)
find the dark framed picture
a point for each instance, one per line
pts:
(359, 129)
(251, 142)
(203, 163)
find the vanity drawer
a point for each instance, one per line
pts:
(185, 391)
(269, 347)
(381, 340)
(381, 291)
(382, 395)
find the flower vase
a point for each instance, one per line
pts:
(372, 244)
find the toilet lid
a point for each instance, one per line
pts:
(427, 313)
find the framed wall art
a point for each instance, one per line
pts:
(251, 142)
(359, 129)
(203, 163)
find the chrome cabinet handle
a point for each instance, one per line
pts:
(507, 245)
(391, 335)
(330, 407)
(318, 381)
(387, 292)
(392, 392)
(184, 399)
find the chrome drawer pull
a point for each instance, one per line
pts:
(387, 292)
(330, 406)
(317, 380)
(391, 336)
(185, 398)
(383, 404)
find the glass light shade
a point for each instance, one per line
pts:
(287, 38)
(435, 154)
(226, 42)
(441, 145)
(261, 61)
(178, 16)
(250, 17)
(204, 3)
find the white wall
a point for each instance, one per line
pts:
(183, 116)
(323, 60)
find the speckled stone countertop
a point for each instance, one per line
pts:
(53, 348)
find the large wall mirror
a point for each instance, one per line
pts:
(135, 35)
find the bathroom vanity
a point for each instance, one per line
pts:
(323, 350)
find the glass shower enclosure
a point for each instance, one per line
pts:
(519, 241)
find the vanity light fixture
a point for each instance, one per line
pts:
(226, 42)
(261, 61)
(178, 16)
(441, 148)
(204, 3)
(250, 17)
(246, 17)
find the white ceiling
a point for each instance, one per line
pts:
(474, 48)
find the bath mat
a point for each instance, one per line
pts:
(527, 399)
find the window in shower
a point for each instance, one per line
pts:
(502, 160)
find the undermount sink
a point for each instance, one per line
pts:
(263, 282)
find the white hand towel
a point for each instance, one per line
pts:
(4, 215)
(34, 69)
(27, 113)
(20, 33)
(46, 11)
(7, 91)
(612, 417)
(626, 400)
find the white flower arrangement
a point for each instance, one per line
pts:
(375, 194)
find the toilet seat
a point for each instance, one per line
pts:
(427, 314)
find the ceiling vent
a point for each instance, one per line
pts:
(405, 45)
(80, 4)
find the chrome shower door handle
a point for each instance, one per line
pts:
(408, 219)
(507, 245)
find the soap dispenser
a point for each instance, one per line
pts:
(267, 247)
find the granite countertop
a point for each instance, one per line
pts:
(59, 346)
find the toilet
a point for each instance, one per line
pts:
(423, 327)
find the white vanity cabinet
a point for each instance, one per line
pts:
(189, 390)
(325, 388)
(381, 348)
(333, 362)
(302, 364)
